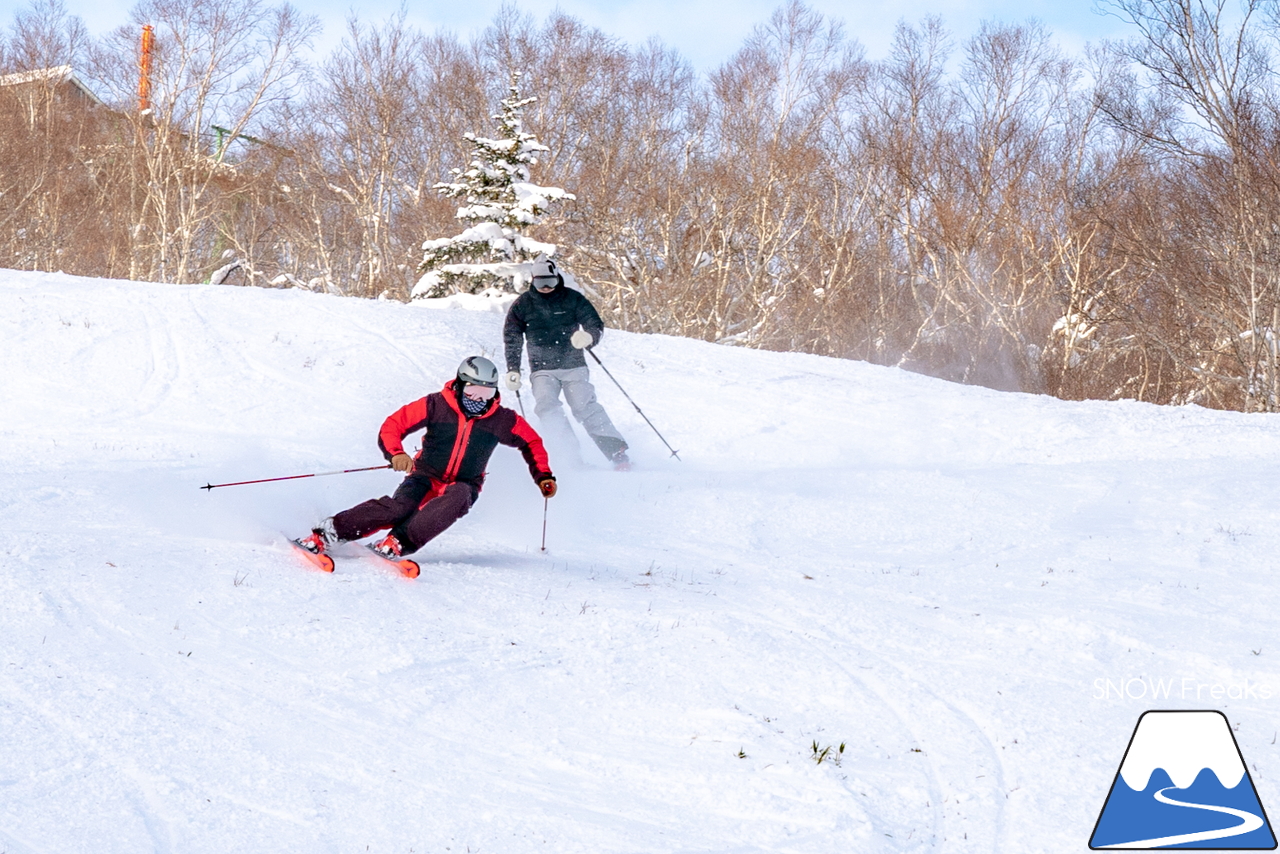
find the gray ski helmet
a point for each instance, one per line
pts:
(477, 370)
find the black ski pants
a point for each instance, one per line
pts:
(419, 511)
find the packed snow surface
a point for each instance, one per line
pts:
(975, 593)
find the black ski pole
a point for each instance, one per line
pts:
(520, 400)
(633, 403)
(293, 477)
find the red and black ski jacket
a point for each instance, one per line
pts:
(457, 446)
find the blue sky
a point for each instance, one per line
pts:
(704, 31)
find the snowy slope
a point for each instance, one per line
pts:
(961, 586)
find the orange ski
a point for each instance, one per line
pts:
(321, 561)
(407, 568)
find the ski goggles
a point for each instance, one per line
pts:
(479, 392)
(545, 283)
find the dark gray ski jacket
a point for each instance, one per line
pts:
(547, 321)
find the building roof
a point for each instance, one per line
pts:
(59, 74)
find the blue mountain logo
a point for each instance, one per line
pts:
(1183, 784)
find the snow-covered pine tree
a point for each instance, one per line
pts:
(500, 203)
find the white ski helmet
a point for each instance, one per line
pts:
(477, 370)
(544, 274)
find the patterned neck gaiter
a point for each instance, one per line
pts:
(474, 407)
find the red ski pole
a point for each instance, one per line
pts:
(293, 477)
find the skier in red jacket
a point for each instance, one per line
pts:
(464, 423)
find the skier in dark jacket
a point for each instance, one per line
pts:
(464, 423)
(558, 324)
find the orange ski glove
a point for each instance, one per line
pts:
(547, 485)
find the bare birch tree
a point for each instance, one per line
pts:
(1210, 273)
(222, 63)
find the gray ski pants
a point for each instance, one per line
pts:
(581, 397)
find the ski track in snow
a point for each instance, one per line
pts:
(950, 734)
(933, 575)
